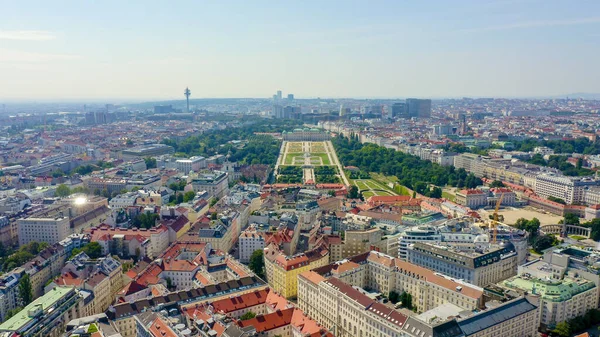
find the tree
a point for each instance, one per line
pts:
(213, 216)
(137, 255)
(58, 173)
(189, 196)
(151, 163)
(12, 312)
(496, 184)
(352, 192)
(62, 190)
(247, 315)
(394, 297)
(169, 283)
(436, 192)
(406, 300)
(543, 242)
(213, 201)
(558, 200)
(93, 250)
(25, 290)
(257, 263)
(563, 329)
(571, 219)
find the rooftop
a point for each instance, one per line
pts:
(22, 318)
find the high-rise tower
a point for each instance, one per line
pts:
(187, 94)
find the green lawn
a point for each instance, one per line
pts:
(370, 187)
(289, 158)
(323, 156)
(448, 196)
(383, 178)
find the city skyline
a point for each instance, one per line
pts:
(336, 49)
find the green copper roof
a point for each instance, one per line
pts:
(22, 317)
(552, 290)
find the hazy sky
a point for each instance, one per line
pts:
(250, 48)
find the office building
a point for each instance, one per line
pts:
(418, 108)
(399, 110)
(515, 318)
(147, 151)
(569, 189)
(333, 295)
(192, 164)
(559, 299)
(480, 266)
(215, 184)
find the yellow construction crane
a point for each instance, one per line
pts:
(494, 223)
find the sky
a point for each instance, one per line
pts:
(152, 50)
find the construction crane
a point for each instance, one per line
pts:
(494, 223)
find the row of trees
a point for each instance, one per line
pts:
(409, 169)
(145, 220)
(538, 242)
(12, 259)
(258, 150)
(577, 324)
(326, 175)
(404, 298)
(579, 145)
(560, 162)
(92, 249)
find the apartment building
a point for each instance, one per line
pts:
(222, 233)
(122, 315)
(52, 228)
(250, 240)
(8, 231)
(67, 216)
(216, 184)
(360, 241)
(476, 266)
(383, 273)
(46, 315)
(339, 306)
(102, 277)
(282, 271)
(127, 242)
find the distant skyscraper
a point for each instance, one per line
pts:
(420, 108)
(399, 110)
(290, 97)
(463, 124)
(187, 94)
(277, 111)
(341, 110)
(279, 94)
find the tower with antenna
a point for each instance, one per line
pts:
(187, 94)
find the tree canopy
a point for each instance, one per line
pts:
(258, 149)
(412, 172)
(257, 264)
(25, 289)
